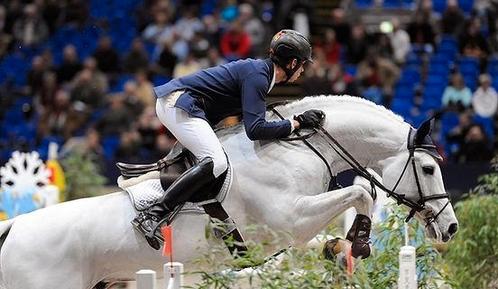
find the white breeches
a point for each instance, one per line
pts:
(193, 133)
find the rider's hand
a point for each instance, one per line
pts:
(310, 119)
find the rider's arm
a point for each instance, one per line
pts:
(254, 89)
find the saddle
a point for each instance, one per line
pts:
(167, 170)
(145, 183)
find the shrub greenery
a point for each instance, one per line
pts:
(306, 268)
(83, 176)
(473, 254)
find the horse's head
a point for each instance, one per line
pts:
(416, 176)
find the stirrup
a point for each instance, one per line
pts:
(151, 237)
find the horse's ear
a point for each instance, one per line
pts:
(424, 130)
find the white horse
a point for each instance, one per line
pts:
(281, 184)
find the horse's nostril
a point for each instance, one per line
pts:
(453, 228)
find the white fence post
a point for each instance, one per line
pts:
(407, 265)
(174, 269)
(146, 279)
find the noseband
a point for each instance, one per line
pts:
(415, 206)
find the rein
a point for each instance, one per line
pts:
(415, 206)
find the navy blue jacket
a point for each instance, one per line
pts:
(235, 88)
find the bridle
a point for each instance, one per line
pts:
(415, 206)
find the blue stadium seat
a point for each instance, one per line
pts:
(350, 69)
(439, 69)
(401, 106)
(363, 3)
(404, 91)
(410, 75)
(110, 144)
(495, 83)
(433, 92)
(393, 3)
(119, 85)
(470, 81)
(439, 79)
(412, 59)
(487, 124)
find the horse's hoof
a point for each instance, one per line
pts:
(360, 249)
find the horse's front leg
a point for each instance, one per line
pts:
(314, 213)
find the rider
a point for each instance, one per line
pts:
(188, 106)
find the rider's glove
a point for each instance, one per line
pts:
(310, 119)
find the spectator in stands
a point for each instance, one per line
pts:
(340, 26)
(88, 146)
(457, 95)
(48, 90)
(30, 30)
(84, 92)
(199, 46)
(187, 66)
(106, 56)
(144, 90)
(35, 75)
(235, 43)
(357, 46)
(421, 33)
(212, 30)
(163, 145)
(383, 46)
(472, 42)
(188, 24)
(378, 72)
(60, 118)
(453, 19)
(476, 147)
(76, 12)
(458, 133)
(315, 80)
(5, 37)
(487, 11)
(99, 79)
(136, 58)
(160, 30)
(148, 126)
(70, 64)
(116, 119)
(132, 102)
(400, 42)
(14, 12)
(129, 147)
(48, 59)
(253, 27)
(330, 47)
(51, 10)
(167, 60)
(213, 59)
(485, 98)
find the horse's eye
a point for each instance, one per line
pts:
(429, 170)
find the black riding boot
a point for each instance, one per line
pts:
(359, 236)
(178, 193)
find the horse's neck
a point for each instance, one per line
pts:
(369, 132)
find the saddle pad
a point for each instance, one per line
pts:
(146, 193)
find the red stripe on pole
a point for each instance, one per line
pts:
(167, 233)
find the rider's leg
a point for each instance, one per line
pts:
(199, 138)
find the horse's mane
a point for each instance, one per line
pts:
(319, 102)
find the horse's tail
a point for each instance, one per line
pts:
(4, 232)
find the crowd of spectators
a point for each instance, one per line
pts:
(103, 103)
